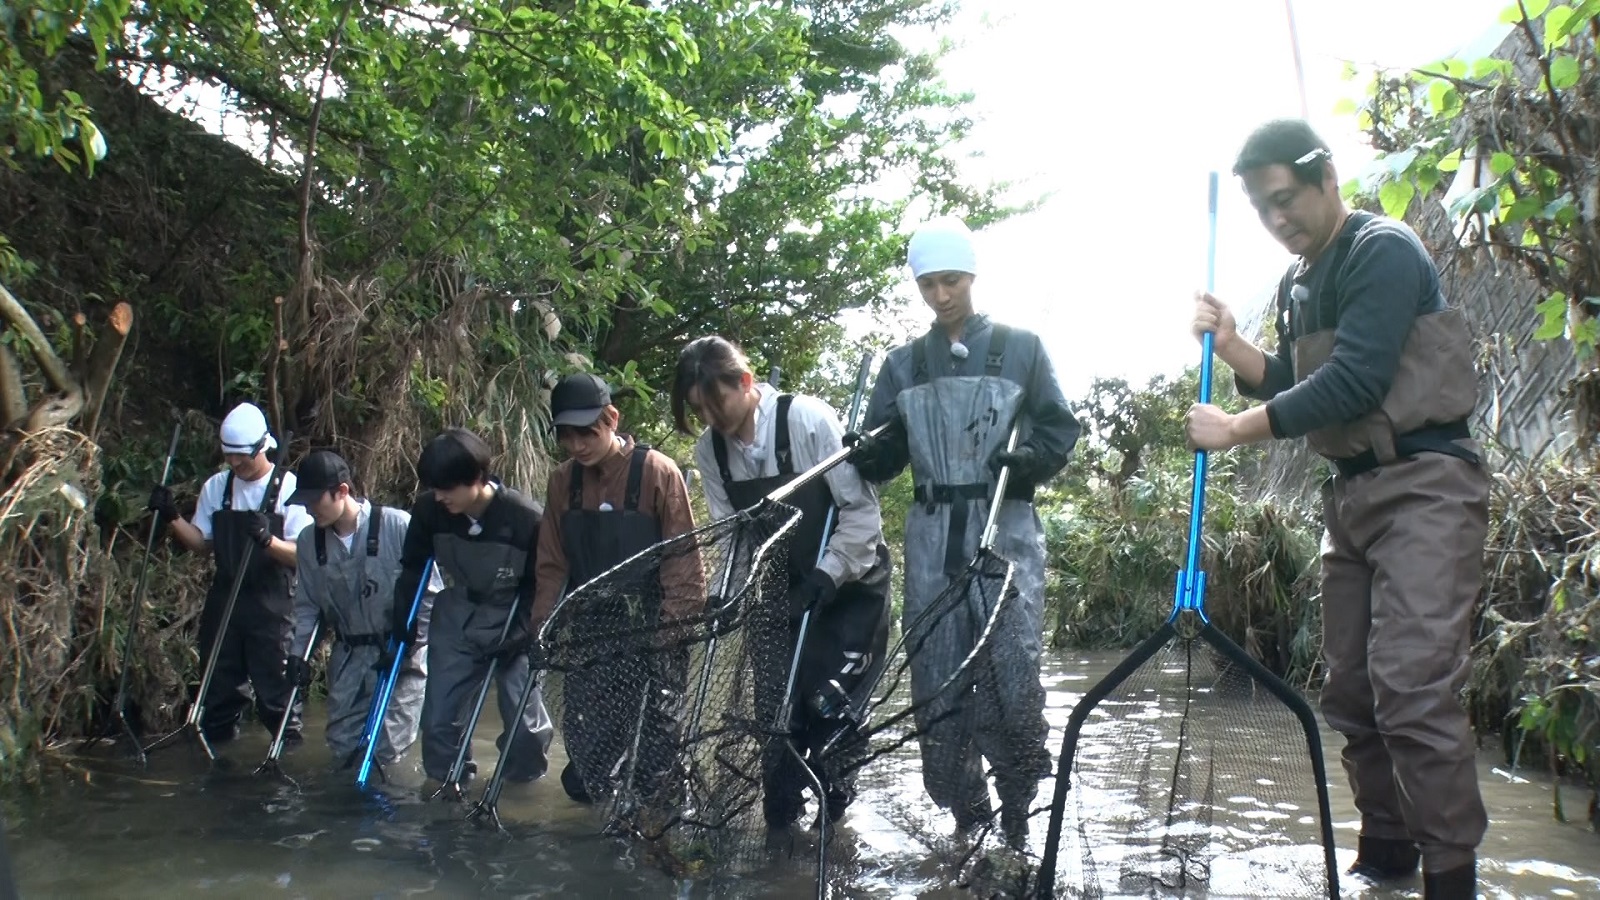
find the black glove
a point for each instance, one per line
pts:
(298, 671)
(1024, 463)
(880, 457)
(816, 592)
(162, 504)
(515, 644)
(259, 528)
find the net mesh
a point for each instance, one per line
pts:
(1190, 777)
(960, 698)
(667, 718)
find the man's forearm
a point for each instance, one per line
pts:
(282, 552)
(189, 536)
(1245, 359)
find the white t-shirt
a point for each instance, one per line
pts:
(248, 495)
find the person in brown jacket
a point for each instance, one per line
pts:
(1375, 370)
(612, 499)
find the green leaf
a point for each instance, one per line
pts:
(1396, 198)
(1511, 15)
(1553, 309)
(1451, 161)
(1502, 162)
(1564, 72)
(1345, 107)
(1443, 97)
(1523, 210)
(1399, 162)
(1557, 24)
(1535, 8)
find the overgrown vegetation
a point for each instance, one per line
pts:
(428, 211)
(1118, 525)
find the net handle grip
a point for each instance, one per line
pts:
(992, 526)
(822, 468)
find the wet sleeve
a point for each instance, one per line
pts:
(853, 546)
(717, 503)
(306, 610)
(551, 568)
(1378, 299)
(414, 555)
(530, 572)
(683, 584)
(1055, 428)
(883, 409)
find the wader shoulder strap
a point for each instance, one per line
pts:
(919, 360)
(374, 528)
(227, 492)
(719, 449)
(780, 438)
(630, 499)
(575, 487)
(1282, 301)
(998, 336)
(1328, 301)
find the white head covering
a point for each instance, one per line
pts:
(942, 245)
(243, 428)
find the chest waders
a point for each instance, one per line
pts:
(254, 658)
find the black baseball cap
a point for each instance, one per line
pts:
(321, 471)
(578, 400)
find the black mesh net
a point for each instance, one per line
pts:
(1194, 774)
(666, 673)
(960, 697)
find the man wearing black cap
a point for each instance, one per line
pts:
(349, 559)
(611, 499)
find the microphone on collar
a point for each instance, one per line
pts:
(959, 350)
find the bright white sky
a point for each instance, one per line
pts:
(1120, 110)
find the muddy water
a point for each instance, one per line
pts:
(181, 828)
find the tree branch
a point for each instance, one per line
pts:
(49, 363)
(103, 362)
(13, 401)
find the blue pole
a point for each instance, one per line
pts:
(380, 698)
(1192, 582)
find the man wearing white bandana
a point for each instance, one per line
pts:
(951, 398)
(242, 507)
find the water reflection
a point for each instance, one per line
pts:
(177, 829)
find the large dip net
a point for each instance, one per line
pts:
(666, 717)
(1193, 772)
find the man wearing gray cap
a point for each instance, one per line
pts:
(349, 560)
(611, 499)
(951, 398)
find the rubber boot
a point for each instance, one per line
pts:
(1385, 859)
(1460, 883)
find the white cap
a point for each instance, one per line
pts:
(245, 431)
(942, 245)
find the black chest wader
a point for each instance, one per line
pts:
(250, 656)
(844, 641)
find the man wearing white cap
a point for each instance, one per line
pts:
(952, 398)
(240, 507)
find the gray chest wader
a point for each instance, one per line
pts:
(479, 608)
(955, 425)
(262, 625)
(356, 603)
(844, 640)
(1407, 518)
(599, 742)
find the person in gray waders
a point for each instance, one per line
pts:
(611, 499)
(349, 562)
(952, 397)
(482, 537)
(757, 440)
(243, 506)
(1375, 370)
